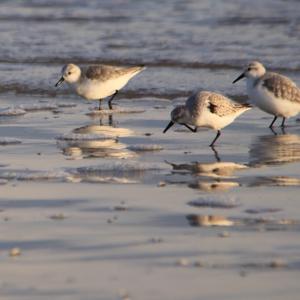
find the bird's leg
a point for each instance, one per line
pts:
(100, 108)
(271, 125)
(217, 136)
(189, 127)
(218, 159)
(111, 99)
(282, 124)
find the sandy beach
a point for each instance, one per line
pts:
(105, 206)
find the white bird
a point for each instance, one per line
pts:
(98, 81)
(271, 92)
(207, 109)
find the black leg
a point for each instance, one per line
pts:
(283, 121)
(271, 125)
(217, 136)
(189, 127)
(100, 108)
(111, 99)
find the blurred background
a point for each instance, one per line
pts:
(195, 40)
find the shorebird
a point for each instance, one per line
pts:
(206, 109)
(271, 92)
(98, 81)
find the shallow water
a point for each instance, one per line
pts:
(98, 204)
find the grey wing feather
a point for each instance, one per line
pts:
(106, 72)
(281, 87)
(223, 106)
(218, 104)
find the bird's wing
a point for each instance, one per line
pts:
(223, 106)
(106, 72)
(281, 87)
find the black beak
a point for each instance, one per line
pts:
(168, 126)
(60, 81)
(239, 78)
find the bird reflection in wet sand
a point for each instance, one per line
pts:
(104, 130)
(102, 117)
(95, 141)
(272, 181)
(274, 149)
(216, 176)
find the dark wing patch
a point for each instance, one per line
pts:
(223, 106)
(102, 72)
(212, 108)
(94, 72)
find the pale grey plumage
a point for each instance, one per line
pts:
(281, 86)
(271, 92)
(106, 72)
(216, 103)
(98, 81)
(206, 109)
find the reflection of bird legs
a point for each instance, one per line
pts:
(273, 131)
(110, 120)
(111, 99)
(218, 159)
(101, 120)
(99, 107)
(282, 130)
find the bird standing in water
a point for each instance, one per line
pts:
(99, 81)
(271, 92)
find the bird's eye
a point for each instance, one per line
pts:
(69, 73)
(249, 69)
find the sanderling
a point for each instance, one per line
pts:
(271, 92)
(207, 109)
(99, 81)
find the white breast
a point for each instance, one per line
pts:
(95, 89)
(212, 120)
(266, 101)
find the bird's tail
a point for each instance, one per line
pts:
(137, 69)
(247, 105)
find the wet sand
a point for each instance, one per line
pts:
(93, 221)
(107, 206)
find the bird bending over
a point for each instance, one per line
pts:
(206, 109)
(271, 92)
(98, 81)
